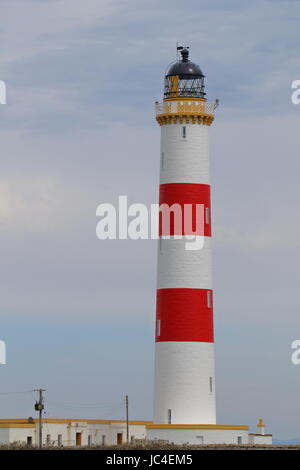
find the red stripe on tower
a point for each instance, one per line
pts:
(184, 315)
(192, 221)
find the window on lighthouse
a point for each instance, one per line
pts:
(158, 328)
(208, 299)
(184, 132)
(207, 215)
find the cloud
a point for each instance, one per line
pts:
(31, 27)
(123, 49)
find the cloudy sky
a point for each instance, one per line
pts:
(77, 313)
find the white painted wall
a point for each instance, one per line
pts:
(181, 268)
(110, 430)
(260, 439)
(68, 432)
(184, 160)
(4, 435)
(198, 436)
(182, 383)
(21, 434)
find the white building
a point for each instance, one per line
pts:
(70, 432)
(205, 434)
(93, 432)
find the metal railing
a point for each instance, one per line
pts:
(192, 107)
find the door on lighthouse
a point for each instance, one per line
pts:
(119, 438)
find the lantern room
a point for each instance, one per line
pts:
(184, 79)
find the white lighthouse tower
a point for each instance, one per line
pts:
(184, 390)
(184, 356)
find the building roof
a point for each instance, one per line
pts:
(184, 68)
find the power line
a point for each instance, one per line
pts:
(98, 405)
(88, 406)
(115, 409)
(106, 409)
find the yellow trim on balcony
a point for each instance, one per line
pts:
(194, 111)
(172, 118)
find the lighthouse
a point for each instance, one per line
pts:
(184, 379)
(184, 391)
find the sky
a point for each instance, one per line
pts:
(78, 129)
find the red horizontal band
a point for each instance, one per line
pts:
(184, 315)
(189, 221)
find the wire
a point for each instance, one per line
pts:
(90, 407)
(114, 409)
(106, 409)
(98, 405)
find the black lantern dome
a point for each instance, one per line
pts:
(184, 79)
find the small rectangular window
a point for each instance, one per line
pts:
(239, 440)
(169, 416)
(59, 440)
(48, 439)
(210, 385)
(183, 132)
(103, 440)
(162, 160)
(90, 440)
(207, 215)
(158, 328)
(209, 299)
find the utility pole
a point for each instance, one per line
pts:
(127, 422)
(39, 406)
